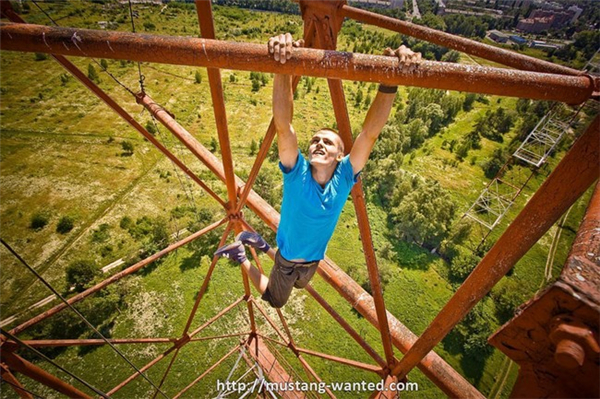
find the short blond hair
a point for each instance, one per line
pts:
(329, 129)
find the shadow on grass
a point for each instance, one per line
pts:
(146, 270)
(471, 364)
(453, 343)
(411, 256)
(191, 262)
(105, 330)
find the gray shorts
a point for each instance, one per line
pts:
(285, 276)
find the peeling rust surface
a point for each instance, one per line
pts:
(502, 56)
(308, 62)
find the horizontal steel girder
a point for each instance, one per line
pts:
(322, 63)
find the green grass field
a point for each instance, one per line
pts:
(61, 154)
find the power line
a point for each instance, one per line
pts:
(139, 64)
(93, 59)
(46, 358)
(20, 388)
(58, 295)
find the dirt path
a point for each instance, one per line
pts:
(553, 248)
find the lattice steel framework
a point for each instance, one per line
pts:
(576, 172)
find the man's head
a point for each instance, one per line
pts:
(325, 148)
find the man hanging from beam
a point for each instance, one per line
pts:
(314, 190)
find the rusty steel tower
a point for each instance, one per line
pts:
(554, 338)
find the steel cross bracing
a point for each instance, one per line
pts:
(493, 203)
(542, 140)
(538, 80)
(499, 195)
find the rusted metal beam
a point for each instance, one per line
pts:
(43, 343)
(571, 177)
(496, 54)
(433, 366)
(343, 121)
(344, 324)
(142, 370)
(116, 277)
(218, 315)
(270, 321)
(205, 283)
(15, 384)
(205, 18)
(315, 375)
(327, 25)
(436, 369)
(562, 358)
(211, 368)
(220, 336)
(207, 30)
(321, 63)
(274, 371)
(255, 202)
(20, 365)
(347, 362)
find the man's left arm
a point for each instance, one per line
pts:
(379, 112)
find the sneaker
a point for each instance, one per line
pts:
(234, 251)
(254, 240)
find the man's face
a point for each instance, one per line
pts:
(325, 148)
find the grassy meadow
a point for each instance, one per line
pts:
(64, 153)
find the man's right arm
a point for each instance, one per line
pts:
(283, 101)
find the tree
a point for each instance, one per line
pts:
(451, 56)
(469, 100)
(253, 147)
(424, 214)
(65, 224)
(198, 77)
(92, 74)
(255, 86)
(494, 164)
(358, 98)
(104, 64)
(41, 56)
(80, 273)
(463, 263)
(64, 79)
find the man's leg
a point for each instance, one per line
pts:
(281, 282)
(237, 253)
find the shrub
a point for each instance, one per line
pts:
(41, 56)
(65, 224)
(39, 220)
(126, 223)
(198, 77)
(101, 234)
(149, 26)
(93, 74)
(127, 147)
(151, 128)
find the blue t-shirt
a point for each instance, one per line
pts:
(310, 212)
